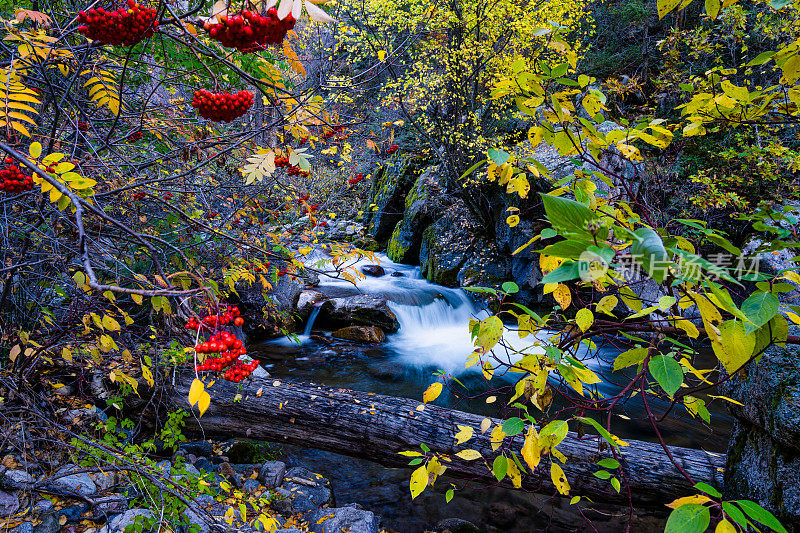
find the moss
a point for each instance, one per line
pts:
(395, 249)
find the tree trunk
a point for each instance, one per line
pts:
(377, 427)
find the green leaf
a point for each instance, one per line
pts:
(567, 215)
(634, 356)
(500, 467)
(509, 287)
(566, 272)
(567, 249)
(608, 462)
(688, 518)
(448, 495)
(651, 254)
(600, 429)
(734, 513)
(708, 489)
(513, 426)
(759, 308)
(472, 169)
(498, 156)
(759, 514)
(602, 474)
(667, 372)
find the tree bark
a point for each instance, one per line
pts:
(377, 427)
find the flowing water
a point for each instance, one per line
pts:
(434, 337)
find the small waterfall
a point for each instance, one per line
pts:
(311, 318)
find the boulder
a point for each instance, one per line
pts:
(16, 480)
(362, 310)
(267, 313)
(456, 525)
(9, 504)
(376, 271)
(424, 203)
(122, 521)
(25, 527)
(272, 473)
(763, 462)
(446, 246)
(303, 491)
(81, 483)
(390, 185)
(49, 524)
(199, 448)
(307, 301)
(372, 334)
(350, 519)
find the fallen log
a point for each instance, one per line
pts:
(378, 427)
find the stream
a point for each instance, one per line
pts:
(433, 336)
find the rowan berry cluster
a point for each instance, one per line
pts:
(392, 149)
(12, 180)
(356, 179)
(247, 31)
(291, 170)
(125, 26)
(222, 107)
(227, 349)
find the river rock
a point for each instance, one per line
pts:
(307, 301)
(9, 503)
(376, 271)
(445, 247)
(272, 473)
(303, 491)
(338, 519)
(122, 521)
(390, 185)
(49, 524)
(200, 448)
(111, 505)
(16, 480)
(80, 483)
(763, 462)
(25, 527)
(362, 310)
(372, 334)
(456, 525)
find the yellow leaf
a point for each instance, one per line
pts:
(512, 221)
(464, 434)
(559, 479)
(697, 498)
(488, 371)
(469, 455)
(584, 318)
(15, 351)
(432, 392)
(137, 298)
(562, 295)
(35, 150)
(514, 474)
(381, 55)
(203, 402)
(725, 527)
(485, 423)
(110, 324)
(497, 437)
(195, 391)
(419, 480)
(530, 449)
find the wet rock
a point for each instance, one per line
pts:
(307, 301)
(16, 480)
(200, 448)
(72, 514)
(204, 465)
(266, 315)
(339, 519)
(9, 504)
(372, 334)
(362, 310)
(386, 370)
(80, 483)
(122, 521)
(390, 186)
(111, 505)
(41, 507)
(397, 274)
(376, 271)
(763, 462)
(456, 525)
(445, 248)
(272, 473)
(25, 527)
(303, 491)
(502, 515)
(49, 524)
(250, 486)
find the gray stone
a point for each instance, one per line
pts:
(250, 486)
(111, 505)
(370, 334)
(303, 491)
(763, 462)
(362, 310)
(49, 524)
(165, 467)
(200, 448)
(80, 483)
(25, 527)
(456, 525)
(340, 519)
(121, 521)
(105, 480)
(42, 507)
(272, 473)
(16, 480)
(9, 504)
(198, 520)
